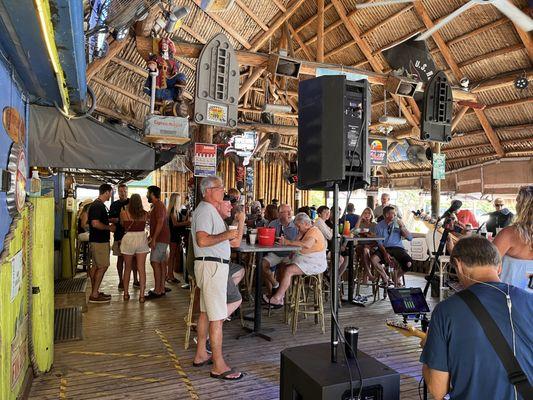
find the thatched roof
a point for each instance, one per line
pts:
(481, 44)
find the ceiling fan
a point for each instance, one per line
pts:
(506, 7)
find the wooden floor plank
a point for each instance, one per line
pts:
(121, 343)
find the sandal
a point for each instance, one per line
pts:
(126, 297)
(225, 375)
(273, 306)
(141, 299)
(209, 361)
(172, 280)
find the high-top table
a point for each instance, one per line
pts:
(352, 242)
(259, 251)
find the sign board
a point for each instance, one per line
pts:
(172, 127)
(16, 274)
(378, 152)
(217, 114)
(439, 166)
(243, 145)
(205, 159)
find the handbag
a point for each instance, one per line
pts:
(516, 375)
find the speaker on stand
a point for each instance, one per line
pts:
(333, 154)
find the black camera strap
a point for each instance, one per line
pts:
(514, 372)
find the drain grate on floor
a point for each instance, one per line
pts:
(67, 324)
(75, 285)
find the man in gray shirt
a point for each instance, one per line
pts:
(385, 201)
(211, 241)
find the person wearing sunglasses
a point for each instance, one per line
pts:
(500, 218)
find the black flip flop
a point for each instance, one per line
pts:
(209, 361)
(224, 375)
(271, 305)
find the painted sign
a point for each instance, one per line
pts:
(378, 151)
(16, 166)
(19, 352)
(14, 124)
(217, 114)
(205, 159)
(439, 166)
(16, 274)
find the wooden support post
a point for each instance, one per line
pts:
(250, 81)
(435, 188)
(202, 135)
(459, 116)
(320, 32)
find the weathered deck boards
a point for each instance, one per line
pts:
(123, 357)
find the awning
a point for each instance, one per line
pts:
(86, 143)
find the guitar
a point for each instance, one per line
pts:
(405, 329)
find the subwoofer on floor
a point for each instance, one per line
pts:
(308, 374)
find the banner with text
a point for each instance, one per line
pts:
(205, 159)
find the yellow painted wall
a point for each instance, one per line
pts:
(42, 308)
(13, 315)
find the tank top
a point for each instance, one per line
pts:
(133, 225)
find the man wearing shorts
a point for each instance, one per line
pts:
(159, 240)
(284, 227)
(99, 236)
(393, 230)
(114, 217)
(211, 242)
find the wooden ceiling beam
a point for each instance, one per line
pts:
(252, 15)
(526, 40)
(311, 20)
(279, 5)
(262, 37)
(492, 54)
(446, 53)
(194, 34)
(303, 46)
(500, 81)
(250, 81)
(412, 115)
(249, 58)
(506, 104)
(256, 111)
(121, 91)
(97, 65)
(320, 31)
(459, 116)
(227, 27)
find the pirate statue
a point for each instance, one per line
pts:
(170, 83)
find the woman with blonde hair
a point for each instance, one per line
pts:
(134, 243)
(177, 222)
(515, 243)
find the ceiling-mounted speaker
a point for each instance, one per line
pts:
(283, 66)
(436, 121)
(401, 86)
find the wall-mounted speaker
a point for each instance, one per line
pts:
(436, 121)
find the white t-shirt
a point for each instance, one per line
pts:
(206, 219)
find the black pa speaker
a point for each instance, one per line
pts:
(307, 373)
(333, 119)
(436, 121)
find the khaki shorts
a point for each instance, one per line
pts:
(212, 280)
(116, 248)
(100, 254)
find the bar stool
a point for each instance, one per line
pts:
(301, 301)
(188, 318)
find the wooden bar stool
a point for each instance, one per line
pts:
(301, 300)
(188, 318)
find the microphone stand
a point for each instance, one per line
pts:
(437, 254)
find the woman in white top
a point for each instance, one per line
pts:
(515, 243)
(323, 215)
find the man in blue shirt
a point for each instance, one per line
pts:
(284, 227)
(458, 357)
(393, 230)
(350, 216)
